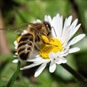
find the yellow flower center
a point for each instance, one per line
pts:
(54, 45)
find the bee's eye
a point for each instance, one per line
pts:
(47, 26)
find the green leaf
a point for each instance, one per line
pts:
(13, 78)
(82, 5)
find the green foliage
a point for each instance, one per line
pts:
(83, 12)
(27, 12)
(13, 78)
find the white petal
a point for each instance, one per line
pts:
(61, 60)
(52, 55)
(16, 44)
(15, 61)
(39, 60)
(48, 18)
(30, 66)
(52, 66)
(37, 21)
(76, 39)
(16, 53)
(65, 51)
(57, 25)
(67, 22)
(15, 56)
(60, 23)
(24, 32)
(58, 61)
(74, 23)
(73, 30)
(65, 36)
(40, 69)
(75, 49)
(35, 59)
(57, 54)
(54, 34)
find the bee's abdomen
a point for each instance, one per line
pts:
(25, 46)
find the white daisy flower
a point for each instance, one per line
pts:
(59, 46)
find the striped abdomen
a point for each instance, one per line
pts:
(25, 46)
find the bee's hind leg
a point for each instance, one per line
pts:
(37, 48)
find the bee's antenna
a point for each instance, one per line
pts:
(54, 31)
(51, 44)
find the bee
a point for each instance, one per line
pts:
(32, 38)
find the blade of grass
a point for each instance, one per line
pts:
(20, 15)
(13, 78)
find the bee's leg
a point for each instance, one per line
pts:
(37, 48)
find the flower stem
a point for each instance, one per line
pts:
(76, 74)
(13, 78)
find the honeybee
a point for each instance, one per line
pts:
(32, 38)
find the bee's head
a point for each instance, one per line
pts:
(48, 29)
